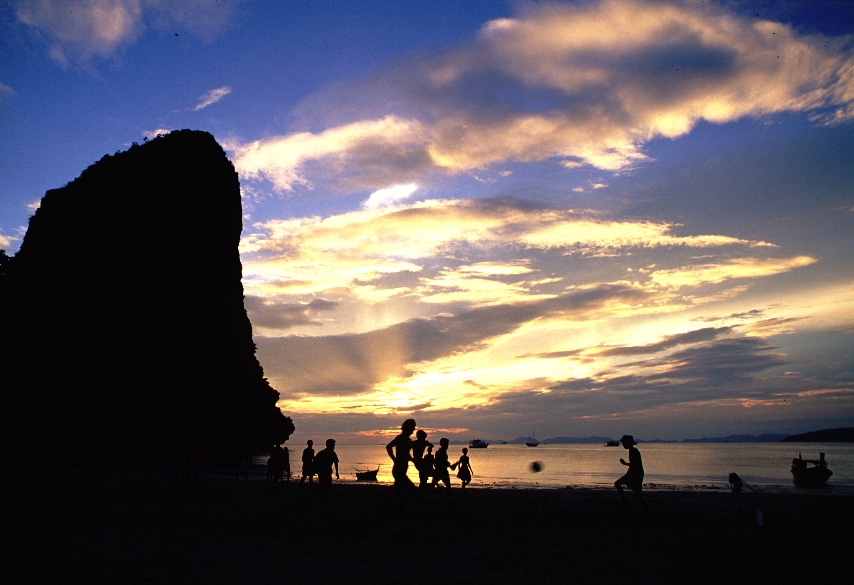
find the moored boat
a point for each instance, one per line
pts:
(612, 443)
(367, 474)
(478, 444)
(532, 441)
(810, 472)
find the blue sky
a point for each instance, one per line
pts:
(572, 218)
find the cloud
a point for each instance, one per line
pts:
(671, 341)
(364, 360)
(88, 28)
(6, 89)
(267, 313)
(736, 268)
(386, 147)
(151, 134)
(6, 241)
(585, 84)
(311, 255)
(211, 97)
(390, 196)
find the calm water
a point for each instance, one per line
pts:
(667, 465)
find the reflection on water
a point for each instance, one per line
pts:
(667, 465)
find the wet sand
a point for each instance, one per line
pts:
(127, 527)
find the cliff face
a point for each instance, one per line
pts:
(122, 323)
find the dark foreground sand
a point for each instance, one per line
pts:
(126, 527)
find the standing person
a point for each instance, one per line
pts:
(429, 464)
(323, 463)
(308, 464)
(286, 463)
(399, 449)
(275, 464)
(441, 471)
(465, 470)
(418, 445)
(633, 478)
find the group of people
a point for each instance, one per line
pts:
(321, 464)
(402, 449)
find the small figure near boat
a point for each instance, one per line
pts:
(810, 472)
(478, 444)
(465, 470)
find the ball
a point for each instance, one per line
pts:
(536, 467)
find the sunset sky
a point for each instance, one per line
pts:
(571, 218)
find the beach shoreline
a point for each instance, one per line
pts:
(138, 527)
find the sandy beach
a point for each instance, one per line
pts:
(134, 527)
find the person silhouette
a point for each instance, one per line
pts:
(428, 466)
(633, 478)
(308, 464)
(323, 464)
(275, 464)
(735, 485)
(440, 472)
(465, 471)
(398, 450)
(418, 446)
(286, 463)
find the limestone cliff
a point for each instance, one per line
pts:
(122, 326)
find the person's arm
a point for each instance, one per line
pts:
(390, 449)
(336, 470)
(623, 461)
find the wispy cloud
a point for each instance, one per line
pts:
(6, 241)
(86, 28)
(297, 256)
(735, 268)
(211, 97)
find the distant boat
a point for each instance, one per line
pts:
(532, 441)
(478, 444)
(809, 472)
(612, 443)
(367, 474)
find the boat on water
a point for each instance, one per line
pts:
(612, 443)
(367, 474)
(478, 444)
(810, 472)
(532, 441)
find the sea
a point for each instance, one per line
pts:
(668, 466)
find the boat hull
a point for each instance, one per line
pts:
(811, 476)
(810, 473)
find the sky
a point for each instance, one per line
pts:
(498, 218)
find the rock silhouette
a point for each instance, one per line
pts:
(123, 333)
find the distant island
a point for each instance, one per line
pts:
(840, 435)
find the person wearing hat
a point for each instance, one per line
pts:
(633, 478)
